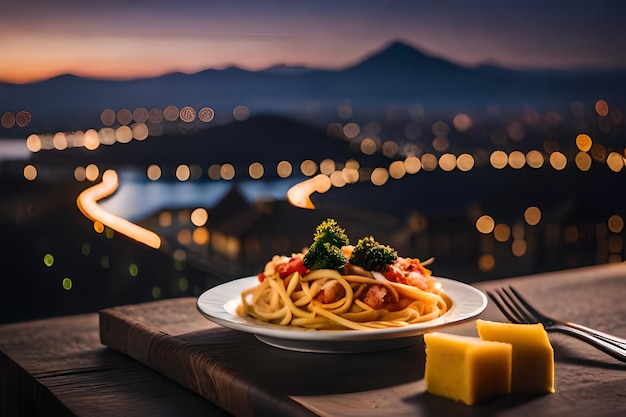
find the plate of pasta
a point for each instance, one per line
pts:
(220, 304)
(338, 297)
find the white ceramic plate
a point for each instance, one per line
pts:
(219, 305)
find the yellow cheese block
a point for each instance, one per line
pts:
(533, 355)
(465, 368)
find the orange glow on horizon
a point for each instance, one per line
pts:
(87, 202)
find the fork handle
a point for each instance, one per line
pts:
(609, 338)
(602, 341)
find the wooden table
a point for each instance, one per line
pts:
(59, 366)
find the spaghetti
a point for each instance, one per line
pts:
(288, 294)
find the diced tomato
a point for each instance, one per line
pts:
(294, 264)
(288, 267)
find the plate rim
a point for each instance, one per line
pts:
(211, 304)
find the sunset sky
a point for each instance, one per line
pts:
(127, 39)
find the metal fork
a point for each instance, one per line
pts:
(518, 310)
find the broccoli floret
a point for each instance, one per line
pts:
(329, 231)
(326, 250)
(323, 255)
(371, 255)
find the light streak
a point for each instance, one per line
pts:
(300, 194)
(87, 202)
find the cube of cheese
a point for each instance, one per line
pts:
(533, 355)
(465, 368)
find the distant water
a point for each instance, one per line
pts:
(138, 198)
(13, 149)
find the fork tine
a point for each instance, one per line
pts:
(514, 310)
(537, 315)
(525, 315)
(509, 309)
(501, 307)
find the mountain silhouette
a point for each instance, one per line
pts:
(401, 58)
(397, 74)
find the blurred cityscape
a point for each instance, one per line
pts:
(492, 181)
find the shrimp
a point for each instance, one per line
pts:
(410, 271)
